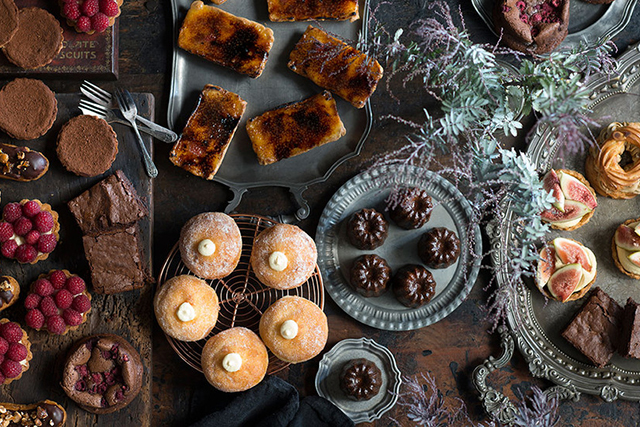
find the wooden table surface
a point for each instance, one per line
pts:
(449, 350)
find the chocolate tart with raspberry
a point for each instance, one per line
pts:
(29, 231)
(9, 291)
(103, 373)
(58, 302)
(15, 349)
(90, 16)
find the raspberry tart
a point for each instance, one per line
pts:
(575, 199)
(15, 351)
(90, 16)
(29, 231)
(58, 302)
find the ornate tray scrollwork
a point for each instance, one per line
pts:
(537, 337)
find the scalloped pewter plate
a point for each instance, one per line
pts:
(537, 327)
(588, 22)
(370, 189)
(328, 378)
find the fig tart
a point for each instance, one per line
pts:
(575, 199)
(625, 248)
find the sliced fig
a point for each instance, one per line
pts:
(627, 238)
(637, 229)
(551, 184)
(575, 190)
(564, 281)
(571, 252)
(572, 210)
(546, 266)
(635, 258)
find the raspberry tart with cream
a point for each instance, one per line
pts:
(625, 248)
(575, 200)
(15, 351)
(90, 16)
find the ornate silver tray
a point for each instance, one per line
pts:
(370, 189)
(534, 326)
(588, 22)
(277, 85)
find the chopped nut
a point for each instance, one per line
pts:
(4, 158)
(5, 285)
(20, 155)
(23, 164)
(38, 423)
(3, 409)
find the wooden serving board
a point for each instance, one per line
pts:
(129, 314)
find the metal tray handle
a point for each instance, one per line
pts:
(302, 206)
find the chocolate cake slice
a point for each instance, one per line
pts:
(630, 338)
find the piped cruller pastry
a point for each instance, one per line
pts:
(575, 200)
(625, 247)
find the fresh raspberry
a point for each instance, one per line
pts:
(84, 24)
(82, 370)
(25, 254)
(32, 237)
(22, 226)
(109, 8)
(71, 10)
(12, 212)
(119, 395)
(34, 319)
(11, 332)
(81, 303)
(9, 249)
(16, 352)
(43, 222)
(32, 301)
(90, 8)
(31, 209)
(75, 285)
(6, 231)
(11, 368)
(72, 317)
(64, 299)
(96, 377)
(48, 306)
(43, 287)
(99, 22)
(4, 346)
(56, 325)
(58, 279)
(47, 243)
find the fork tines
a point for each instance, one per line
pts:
(93, 107)
(89, 89)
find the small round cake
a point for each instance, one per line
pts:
(360, 379)
(413, 285)
(87, 146)
(9, 291)
(283, 256)
(186, 308)
(367, 229)
(294, 329)
(8, 20)
(625, 248)
(28, 107)
(411, 208)
(370, 275)
(439, 248)
(211, 245)
(234, 360)
(37, 41)
(102, 373)
(17, 351)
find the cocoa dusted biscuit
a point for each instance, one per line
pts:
(8, 20)
(37, 41)
(28, 108)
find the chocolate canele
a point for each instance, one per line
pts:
(28, 107)
(411, 208)
(360, 379)
(87, 146)
(103, 373)
(439, 248)
(413, 285)
(370, 275)
(37, 41)
(367, 229)
(8, 20)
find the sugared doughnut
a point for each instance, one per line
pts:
(234, 360)
(283, 256)
(294, 329)
(210, 245)
(186, 308)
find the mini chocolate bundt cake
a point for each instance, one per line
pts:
(370, 275)
(413, 285)
(367, 229)
(439, 248)
(360, 379)
(411, 208)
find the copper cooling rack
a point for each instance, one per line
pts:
(242, 297)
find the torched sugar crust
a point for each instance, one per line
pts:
(298, 247)
(223, 231)
(199, 294)
(313, 330)
(248, 345)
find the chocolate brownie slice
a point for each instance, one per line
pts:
(595, 328)
(630, 338)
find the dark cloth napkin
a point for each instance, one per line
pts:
(275, 403)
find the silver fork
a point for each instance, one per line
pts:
(102, 97)
(130, 111)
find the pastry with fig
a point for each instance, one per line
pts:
(625, 248)
(575, 200)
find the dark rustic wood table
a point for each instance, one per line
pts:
(449, 350)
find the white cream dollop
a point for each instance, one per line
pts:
(206, 247)
(278, 261)
(186, 312)
(232, 362)
(289, 329)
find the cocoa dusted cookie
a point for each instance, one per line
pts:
(103, 373)
(28, 108)
(37, 41)
(8, 20)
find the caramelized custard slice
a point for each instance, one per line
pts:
(206, 137)
(225, 39)
(336, 66)
(295, 128)
(313, 10)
